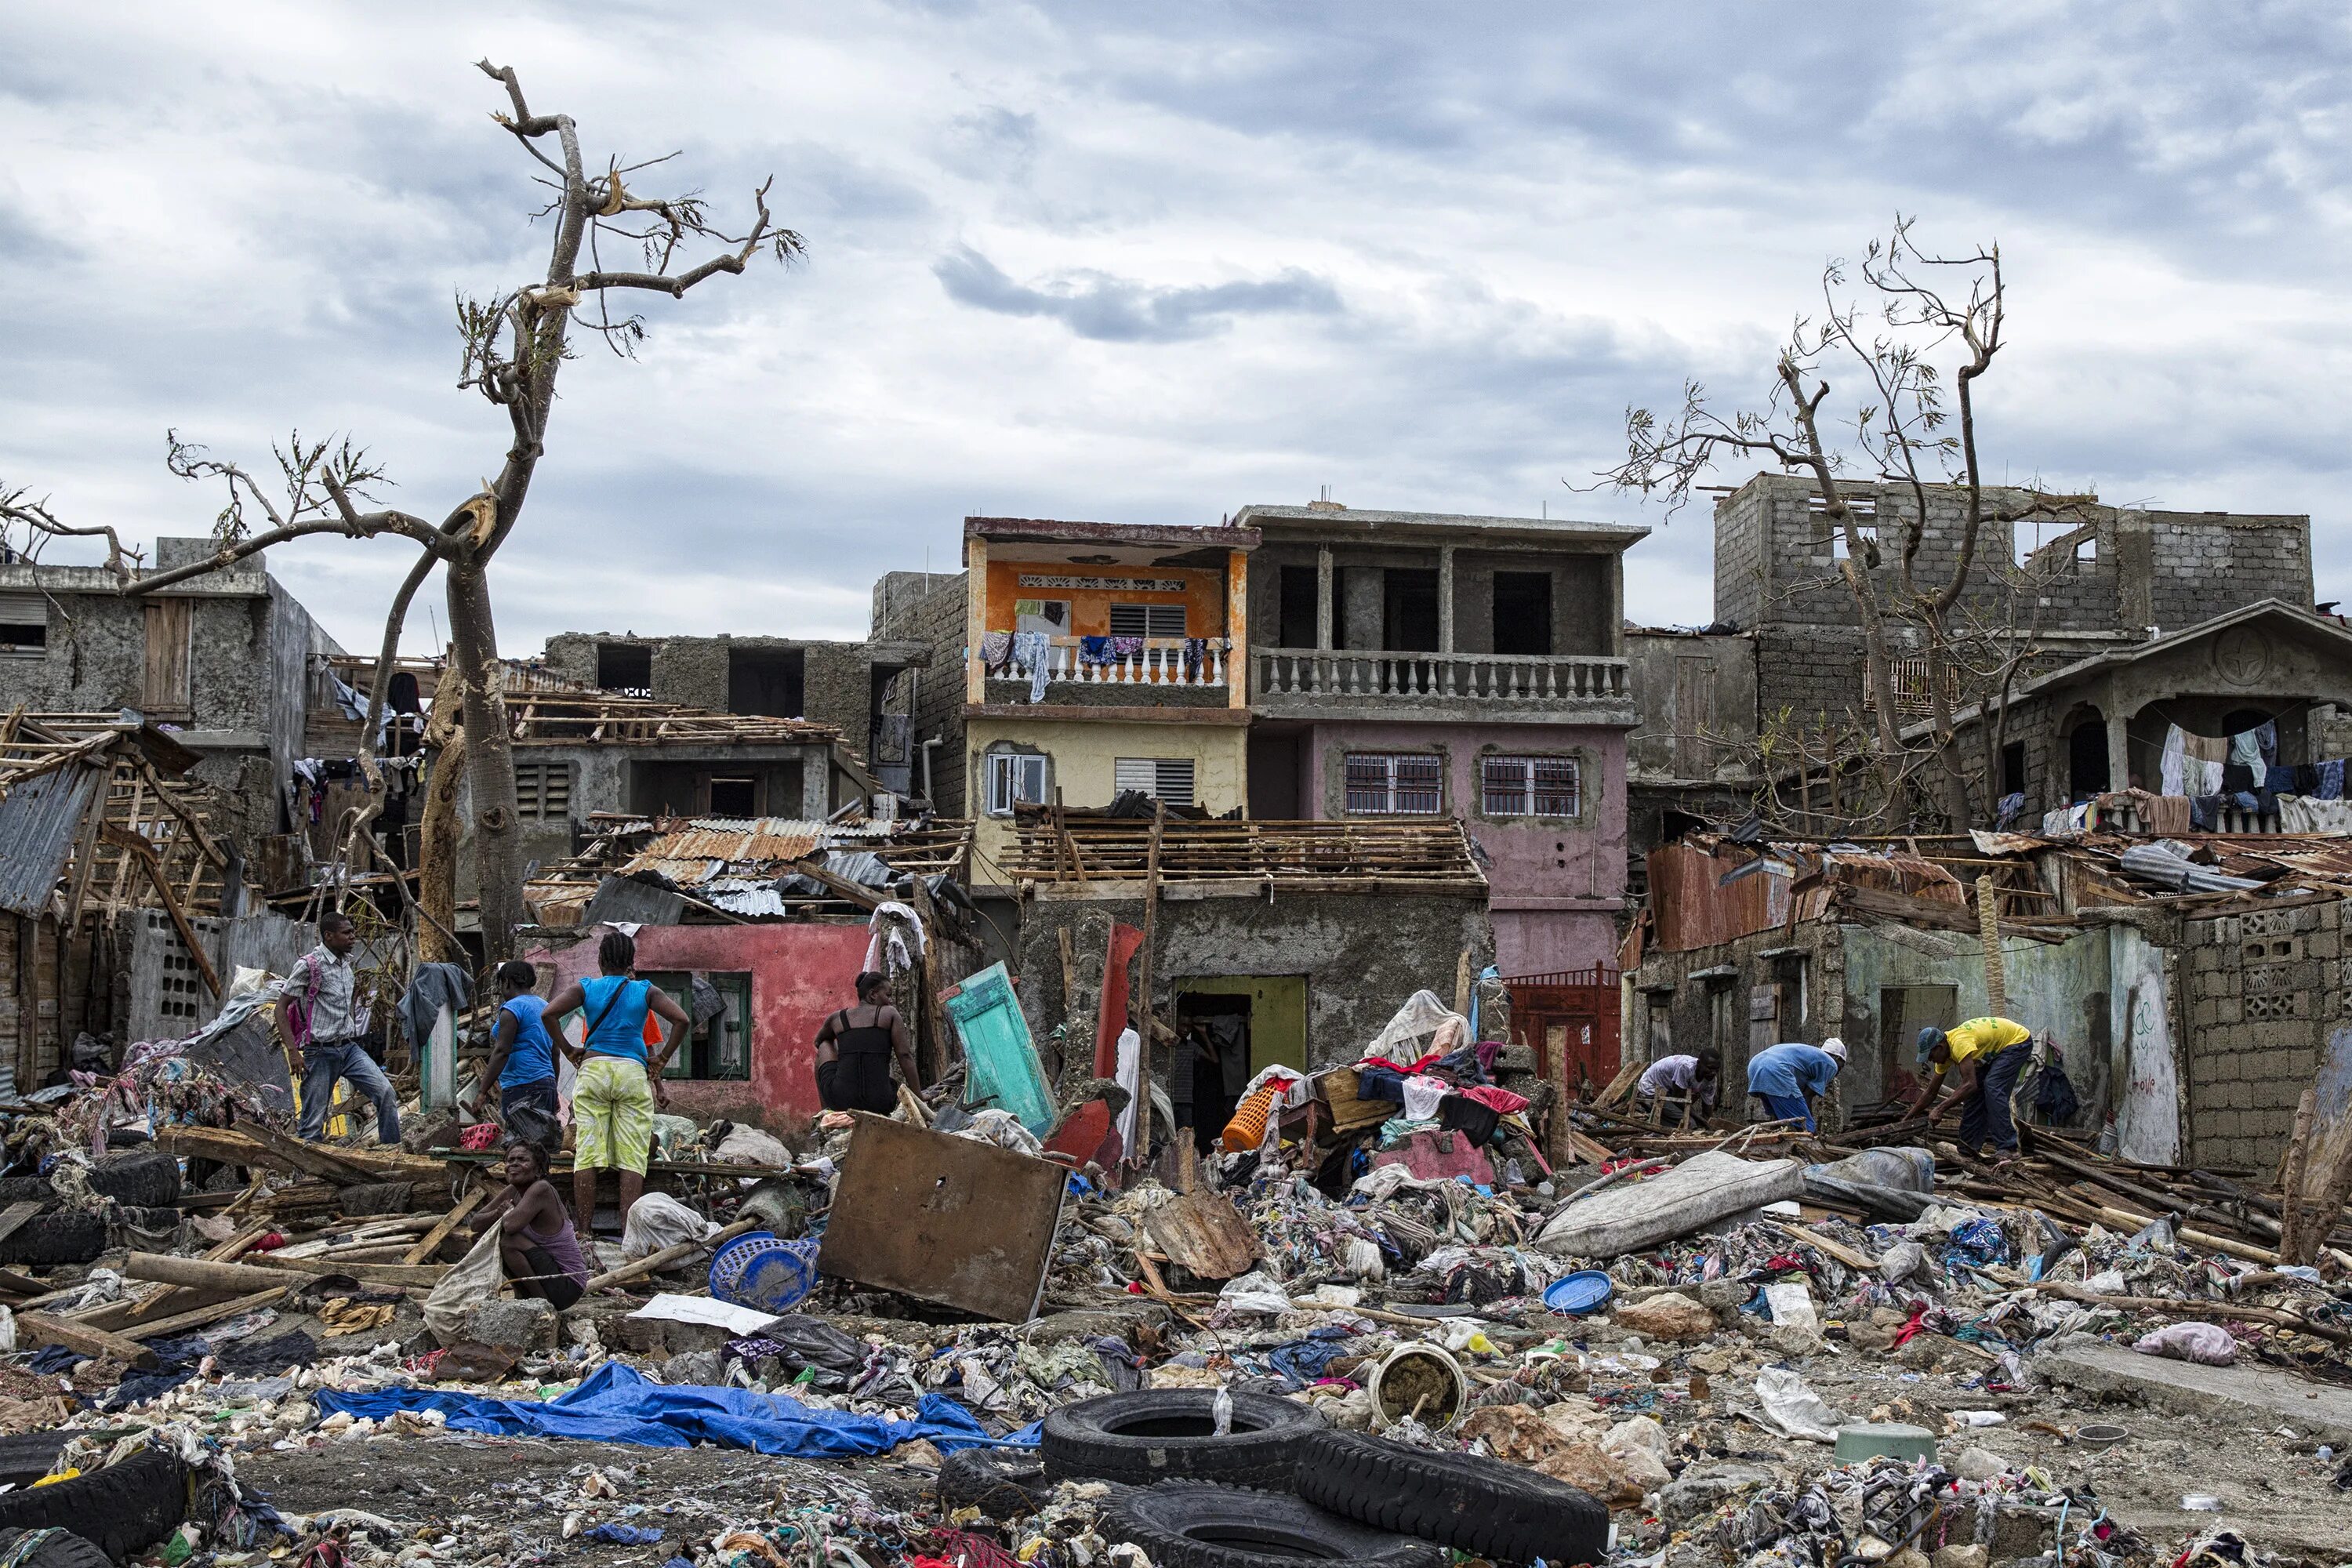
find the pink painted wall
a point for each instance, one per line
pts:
(1556, 887)
(800, 975)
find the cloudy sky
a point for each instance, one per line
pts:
(1143, 264)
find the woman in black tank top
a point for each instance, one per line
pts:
(853, 1051)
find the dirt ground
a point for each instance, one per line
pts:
(505, 1499)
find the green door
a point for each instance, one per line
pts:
(1277, 1014)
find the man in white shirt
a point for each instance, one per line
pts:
(1681, 1089)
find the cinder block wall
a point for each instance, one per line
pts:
(2262, 992)
(929, 607)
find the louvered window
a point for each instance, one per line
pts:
(24, 626)
(543, 791)
(1146, 621)
(1161, 778)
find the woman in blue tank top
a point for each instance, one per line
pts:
(613, 1098)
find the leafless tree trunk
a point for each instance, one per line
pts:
(513, 347)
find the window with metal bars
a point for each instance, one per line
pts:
(1161, 778)
(543, 791)
(1912, 687)
(1530, 786)
(1146, 621)
(1395, 783)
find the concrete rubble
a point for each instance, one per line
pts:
(1790, 1381)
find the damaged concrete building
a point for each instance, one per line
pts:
(229, 660)
(867, 692)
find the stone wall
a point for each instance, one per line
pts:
(2264, 990)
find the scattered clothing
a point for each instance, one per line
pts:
(1421, 1095)
(436, 987)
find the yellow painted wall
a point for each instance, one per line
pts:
(1083, 752)
(1203, 597)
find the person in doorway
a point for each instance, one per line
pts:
(536, 1241)
(522, 1059)
(1990, 1053)
(1791, 1077)
(620, 1079)
(321, 1018)
(1681, 1089)
(854, 1049)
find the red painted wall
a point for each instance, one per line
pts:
(800, 975)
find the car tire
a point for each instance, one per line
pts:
(1487, 1507)
(1003, 1483)
(26, 1457)
(1195, 1524)
(143, 1178)
(68, 1236)
(1167, 1434)
(58, 1549)
(26, 1190)
(123, 1508)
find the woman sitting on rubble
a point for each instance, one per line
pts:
(853, 1049)
(536, 1242)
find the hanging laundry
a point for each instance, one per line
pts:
(1094, 651)
(2331, 780)
(995, 651)
(1031, 650)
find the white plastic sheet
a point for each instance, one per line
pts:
(1415, 1030)
(657, 1220)
(1794, 1408)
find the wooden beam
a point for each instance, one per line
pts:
(45, 1329)
(433, 1239)
(145, 853)
(657, 1262)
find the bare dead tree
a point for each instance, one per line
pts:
(1909, 312)
(513, 347)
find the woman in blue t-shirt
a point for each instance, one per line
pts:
(522, 1058)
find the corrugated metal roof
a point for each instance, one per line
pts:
(40, 821)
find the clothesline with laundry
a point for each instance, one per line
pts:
(2242, 772)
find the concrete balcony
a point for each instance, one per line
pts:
(1121, 672)
(1333, 683)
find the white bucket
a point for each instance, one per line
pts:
(1421, 1358)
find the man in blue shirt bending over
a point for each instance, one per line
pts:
(1788, 1077)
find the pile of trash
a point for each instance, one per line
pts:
(1377, 1331)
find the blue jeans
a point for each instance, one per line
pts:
(325, 1061)
(1787, 1108)
(1987, 1110)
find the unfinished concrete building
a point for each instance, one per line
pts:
(867, 692)
(1691, 760)
(230, 660)
(2113, 578)
(1420, 663)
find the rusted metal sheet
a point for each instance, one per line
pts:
(1695, 906)
(1202, 1233)
(952, 1220)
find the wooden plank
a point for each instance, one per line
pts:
(420, 1274)
(448, 1222)
(199, 1317)
(13, 1217)
(46, 1329)
(656, 1262)
(1204, 1233)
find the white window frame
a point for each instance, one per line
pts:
(1002, 771)
(1397, 796)
(1166, 621)
(1532, 796)
(26, 610)
(1171, 779)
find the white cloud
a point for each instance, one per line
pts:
(1140, 265)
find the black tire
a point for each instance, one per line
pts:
(26, 1457)
(144, 1178)
(68, 1236)
(1167, 1434)
(61, 1548)
(1192, 1525)
(124, 1508)
(1487, 1506)
(26, 1190)
(1003, 1483)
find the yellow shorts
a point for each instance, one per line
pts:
(613, 1112)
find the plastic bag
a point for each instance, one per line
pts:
(1256, 1291)
(1793, 1407)
(2208, 1345)
(655, 1221)
(475, 1279)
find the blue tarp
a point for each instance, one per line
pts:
(615, 1405)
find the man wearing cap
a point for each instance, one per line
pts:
(1990, 1053)
(1791, 1077)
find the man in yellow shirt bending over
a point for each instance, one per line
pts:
(1989, 1052)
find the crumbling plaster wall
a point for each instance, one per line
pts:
(1362, 954)
(1084, 768)
(1709, 742)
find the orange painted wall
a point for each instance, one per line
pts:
(1203, 596)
